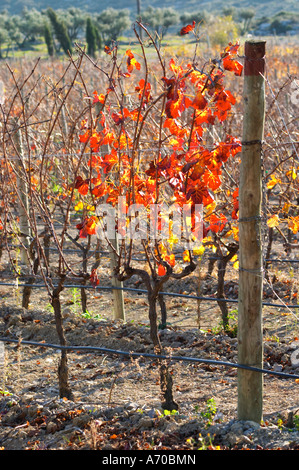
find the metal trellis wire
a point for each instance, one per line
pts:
(131, 354)
(143, 291)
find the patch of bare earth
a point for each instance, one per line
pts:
(117, 398)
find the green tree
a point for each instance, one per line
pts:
(230, 11)
(11, 26)
(49, 39)
(30, 25)
(246, 14)
(91, 37)
(160, 19)
(60, 31)
(3, 38)
(75, 21)
(200, 16)
(3, 32)
(98, 38)
(112, 23)
(222, 30)
(170, 18)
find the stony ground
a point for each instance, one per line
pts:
(117, 403)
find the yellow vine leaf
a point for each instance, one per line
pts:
(79, 206)
(293, 224)
(292, 173)
(198, 251)
(274, 221)
(273, 181)
(210, 208)
(236, 265)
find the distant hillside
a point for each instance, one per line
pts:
(263, 8)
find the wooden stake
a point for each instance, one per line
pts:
(250, 338)
(24, 223)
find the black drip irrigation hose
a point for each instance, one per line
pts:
(151, 356)
(143, 291)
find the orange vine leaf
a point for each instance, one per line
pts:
(187, 29)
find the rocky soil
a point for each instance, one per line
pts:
(116, 402)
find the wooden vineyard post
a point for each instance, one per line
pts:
(24, 224)
(250, 338)
(118, 295)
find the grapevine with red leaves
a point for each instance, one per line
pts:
(149, 146)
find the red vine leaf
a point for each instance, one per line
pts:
(94, 278)
(187, 29)
(131, 61)
(82, 185)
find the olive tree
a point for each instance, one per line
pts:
(112, 23)
(30, 25)
(160, 19)
(75, 21)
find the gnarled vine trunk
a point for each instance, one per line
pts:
(166, 382)
(64, 387)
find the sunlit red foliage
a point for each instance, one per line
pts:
(229, 62)
(187, 29)
(191, 171)
(131, 61)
